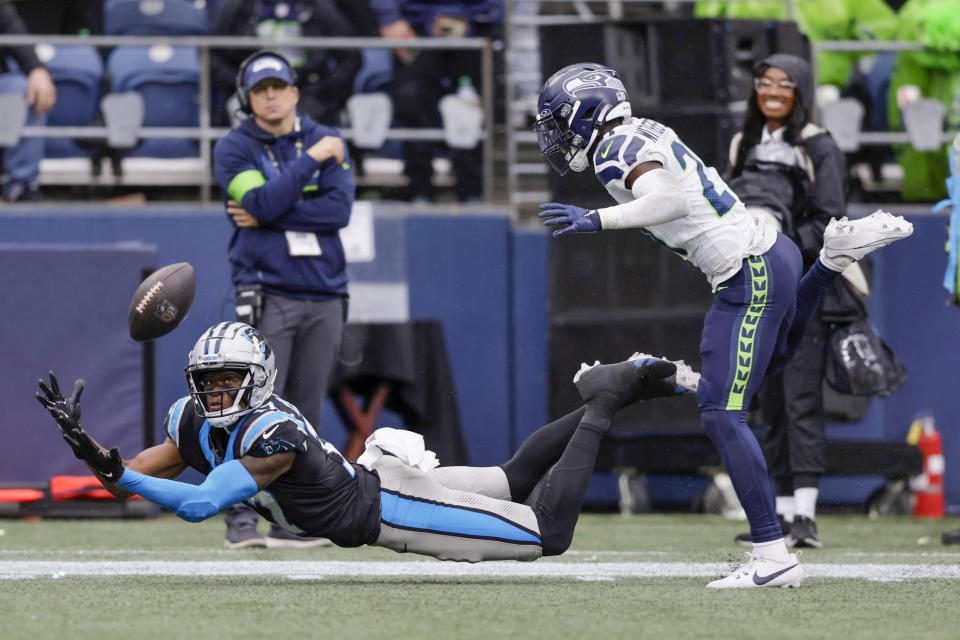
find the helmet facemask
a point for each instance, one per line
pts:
(233, 347)
(225, 416)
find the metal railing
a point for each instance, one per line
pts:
(874, 138)
(206, 134)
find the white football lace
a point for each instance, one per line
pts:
(584, 367)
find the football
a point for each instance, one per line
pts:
(161, 302)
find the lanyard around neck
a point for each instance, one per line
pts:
(298, 144)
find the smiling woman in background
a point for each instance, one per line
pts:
(789, 172)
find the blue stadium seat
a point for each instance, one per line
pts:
(77, 72)
(376, 71)
(213, 8)
(154, 17)
(168, 78)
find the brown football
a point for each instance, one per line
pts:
(162, 301)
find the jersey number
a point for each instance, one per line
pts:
(722, 202)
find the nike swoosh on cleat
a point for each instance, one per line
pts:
(760, 581)
(604, 153)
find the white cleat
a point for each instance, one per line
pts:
(846, 241)
(686, 379)
(584, 367)
(763, 572)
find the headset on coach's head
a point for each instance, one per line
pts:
(243, 95)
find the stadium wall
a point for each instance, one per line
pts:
(486, 283)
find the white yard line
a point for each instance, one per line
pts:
(305, 570)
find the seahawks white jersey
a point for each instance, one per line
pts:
(718, 233)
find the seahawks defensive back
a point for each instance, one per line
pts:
(763, 302)
(714, 211)
(662, 186)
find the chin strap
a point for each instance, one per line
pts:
(579, 162)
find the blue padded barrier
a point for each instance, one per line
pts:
(458, 269)
(529, 316)
(65, 310)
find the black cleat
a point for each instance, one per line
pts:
(803, 533)
(242, 535)
(951, 536)
(684, 382)
(623, 383)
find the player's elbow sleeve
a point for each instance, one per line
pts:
(197, 510)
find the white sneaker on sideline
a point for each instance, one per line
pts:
(686, 379)
(846, 241)
(763, 572)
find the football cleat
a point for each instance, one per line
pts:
(950, 536)
(803, 533)
(763, 572)
(685, 380)
(280, 538)
(623, 383)
(243, 535)
(846, 241)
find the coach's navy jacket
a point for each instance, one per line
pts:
(298, 194)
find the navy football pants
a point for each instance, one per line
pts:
(757, 319)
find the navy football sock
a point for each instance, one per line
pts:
(813, 285)
(744, 462)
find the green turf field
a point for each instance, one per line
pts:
(636, 577)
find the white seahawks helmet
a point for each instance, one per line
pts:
(232, 346)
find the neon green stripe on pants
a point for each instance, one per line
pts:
(748, 331)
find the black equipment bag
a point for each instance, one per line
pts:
(861, 364)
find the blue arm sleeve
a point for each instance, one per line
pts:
(227, 484)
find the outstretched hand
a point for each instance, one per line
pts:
(66, 413)
(575, 219)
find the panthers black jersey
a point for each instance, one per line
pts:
(321, 495)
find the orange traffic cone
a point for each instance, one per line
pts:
(928, 499)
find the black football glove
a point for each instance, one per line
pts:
(109, 465)
(66, 413)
